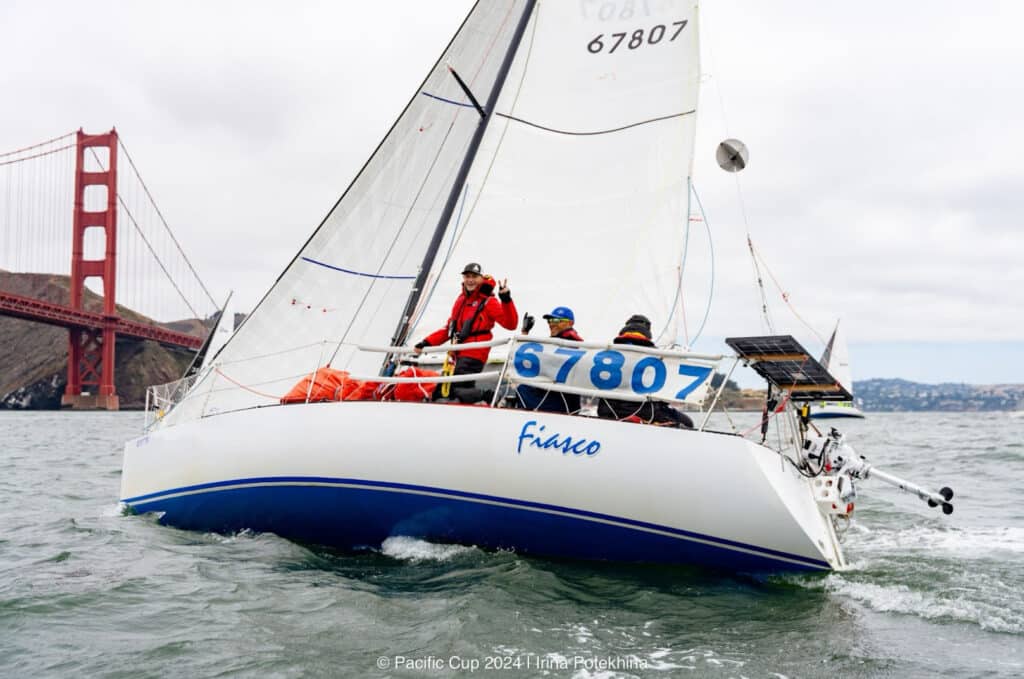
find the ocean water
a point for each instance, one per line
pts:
(88, 591)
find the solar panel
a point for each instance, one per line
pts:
(784, 363)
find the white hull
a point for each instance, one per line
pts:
(351, 474)
(835, 410)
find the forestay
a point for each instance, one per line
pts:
(579, 194)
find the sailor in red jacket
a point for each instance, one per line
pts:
(473, 315)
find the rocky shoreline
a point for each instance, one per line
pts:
(33, 365)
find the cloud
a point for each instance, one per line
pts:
(882, 180)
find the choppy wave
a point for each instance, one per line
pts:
(960, 604)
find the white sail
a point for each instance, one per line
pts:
(350, 281)
(836, 359)
(221, 333)
(579, 195)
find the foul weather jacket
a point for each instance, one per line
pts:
(503, 312)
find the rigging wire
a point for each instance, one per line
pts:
(760, 285)
(739, 196)
(679, 300)
(784, 294)
(711, 248)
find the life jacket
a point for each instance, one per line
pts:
(472, 318)
(570, 334)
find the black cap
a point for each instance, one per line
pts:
(473, 267)
(638, 319)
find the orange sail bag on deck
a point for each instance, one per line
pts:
(415, 391)
(328, 383)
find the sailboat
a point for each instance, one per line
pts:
(553, 142)
(836, 359)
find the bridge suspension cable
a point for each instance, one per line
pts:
(164, 222)
(36, 146)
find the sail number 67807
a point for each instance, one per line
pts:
(636, 38)
(607, 370)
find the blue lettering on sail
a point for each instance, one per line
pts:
(567, 444)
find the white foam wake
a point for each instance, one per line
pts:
(413, 549)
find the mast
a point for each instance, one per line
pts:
(402, 330)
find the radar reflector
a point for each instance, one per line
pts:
(732, 155)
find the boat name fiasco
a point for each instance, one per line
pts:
(566, 444)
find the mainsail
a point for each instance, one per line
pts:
(578, 193)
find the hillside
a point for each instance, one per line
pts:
(894, 395)
(33, 365)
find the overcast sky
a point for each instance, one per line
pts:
(885, 185)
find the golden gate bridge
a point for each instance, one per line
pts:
(76, 206)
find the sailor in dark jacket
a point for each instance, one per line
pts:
(560, 325)
(637, 331)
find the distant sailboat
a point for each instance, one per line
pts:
(836, 360)
(223, 328)
(222, 332)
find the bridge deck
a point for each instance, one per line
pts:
(57, 314)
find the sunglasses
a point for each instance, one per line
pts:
(552, 321)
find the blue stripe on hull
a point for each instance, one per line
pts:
(335, 513)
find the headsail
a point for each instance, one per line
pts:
(349, 282)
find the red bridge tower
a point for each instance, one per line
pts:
(91, 351)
